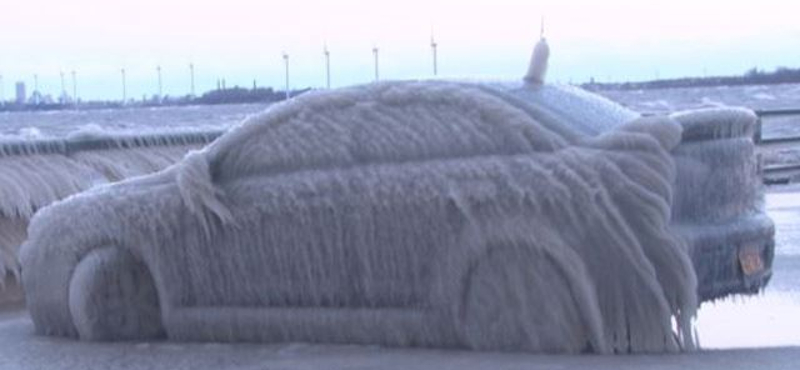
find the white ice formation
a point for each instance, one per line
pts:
(538, 65)
(399, 213)
(35, 173)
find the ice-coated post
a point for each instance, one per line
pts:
(538, 65)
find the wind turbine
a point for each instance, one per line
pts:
(63, 88)
(541, 30)
(124, 87)
(434, 45)
(36, 89)
(75, 88)
(191, 78)
(160, 86)
(286, 64)
(375, 54)
(327, 65)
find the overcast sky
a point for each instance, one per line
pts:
(243, 40)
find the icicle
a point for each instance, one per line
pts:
(198, 191)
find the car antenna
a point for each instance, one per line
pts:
(538, 65)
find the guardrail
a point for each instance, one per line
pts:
(69, 146)
(773, 174)
(783, 173)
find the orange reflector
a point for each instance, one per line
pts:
(750, 260)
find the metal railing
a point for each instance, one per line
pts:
(773, 174)
(778, 173)
(69, 146)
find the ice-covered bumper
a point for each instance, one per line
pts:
(718, 205)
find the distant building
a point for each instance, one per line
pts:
(21, 95)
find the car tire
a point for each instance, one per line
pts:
(510, 306)
(113, 297)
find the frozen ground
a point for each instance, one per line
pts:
(771, 318)
(759, 332)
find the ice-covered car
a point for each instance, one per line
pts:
(489, 216)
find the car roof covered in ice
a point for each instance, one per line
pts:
(579, 110)
(405, 121)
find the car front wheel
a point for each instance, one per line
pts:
(112, 296)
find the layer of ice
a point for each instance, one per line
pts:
(38, 171)
(425, 213)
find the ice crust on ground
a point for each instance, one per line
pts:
(414, 213)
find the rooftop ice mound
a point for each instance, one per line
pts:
(408, 213)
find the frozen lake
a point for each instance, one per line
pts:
(758, 97)
(742, 333)
(60, 123)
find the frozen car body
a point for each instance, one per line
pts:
(201, 250)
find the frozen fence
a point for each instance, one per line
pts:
(35, 173)
(72, 145)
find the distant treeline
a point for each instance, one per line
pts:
(242, 95)
(235, 95)
(753, 76)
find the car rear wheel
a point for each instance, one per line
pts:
(521, 297)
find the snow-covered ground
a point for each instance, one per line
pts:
(771, 318)
(744, 333)
(22, 351)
